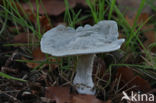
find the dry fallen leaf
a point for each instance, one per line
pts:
(63, 95)
(150, 35)
(31, 15)
(87, 99)
(14, 29)
(59, 94)
(127, 75)
(142, 18)
(37, 56)
(45, 24)
(25, 38)
(141, 84)
(130, 7)
(52, 7)
(130, 20)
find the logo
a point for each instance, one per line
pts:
(134, 97)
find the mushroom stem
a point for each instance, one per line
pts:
(83, 78)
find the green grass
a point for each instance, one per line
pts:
(11, 77)
(151, 3)
(3, 23)
(12, 14)
(132, 32)
(111, 8)
(11, 9)
(38, 20)
(97, 9)
(71, 17)
(132, 37)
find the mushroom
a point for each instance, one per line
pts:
(85, 42)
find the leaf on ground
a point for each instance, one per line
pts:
(142, 18)
(87, 99)
(150, 35)
(45, 24)
(14, 29)
(39, 56)
(31, 15)
(59, 94)
(130, 21)
(141, 84)
(51, 7)
(63, 95)
(25, 38)
(24, 12)
(128, 76)
(149, 32)
(130, 7)
(27, 13)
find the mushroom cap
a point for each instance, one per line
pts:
(64, 41)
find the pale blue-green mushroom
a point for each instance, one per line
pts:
(84, 42)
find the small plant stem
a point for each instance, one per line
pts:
(83, 79)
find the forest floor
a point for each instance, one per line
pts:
(29, 76)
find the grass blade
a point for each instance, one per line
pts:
(11, 77)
